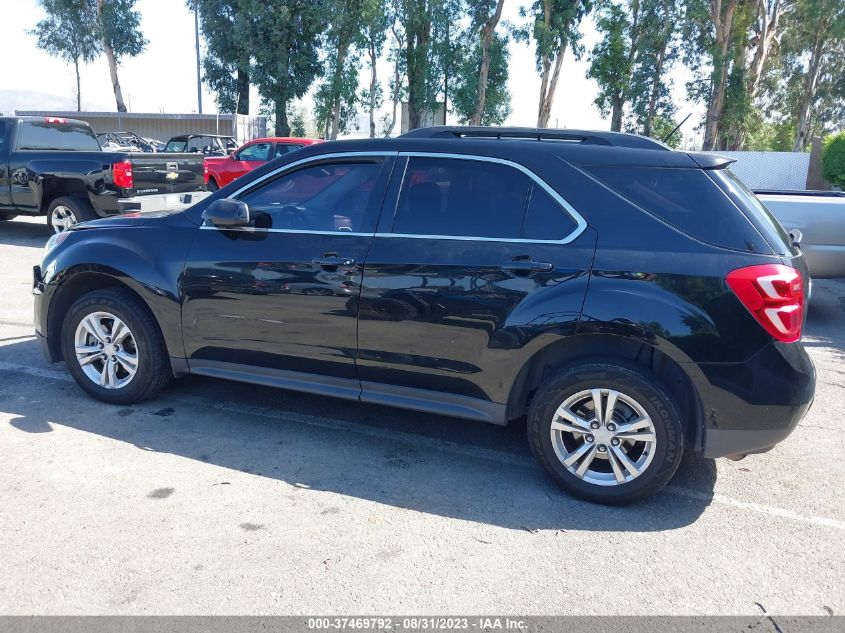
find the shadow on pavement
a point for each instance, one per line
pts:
(24, 233)
(430, 464)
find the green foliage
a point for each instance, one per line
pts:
(553, 36)
(811, 86)
(611, 59)
(121, 28)
(283, 38)
(429, 49)
(833, 159)
(336, 96)
(662, 126)
(498, 101)
(69, 32)
(226, 62)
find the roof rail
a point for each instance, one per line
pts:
(587, 137)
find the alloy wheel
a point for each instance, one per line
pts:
(106, 350)
(62, 218)
(603, 437)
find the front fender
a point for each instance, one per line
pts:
(146, 258)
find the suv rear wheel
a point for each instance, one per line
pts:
(606, 431)
(113, 348)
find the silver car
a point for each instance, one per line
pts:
(816, 220)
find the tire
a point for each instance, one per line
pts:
(212, 185)
(64, 212)
(144, 342)
(639, 397)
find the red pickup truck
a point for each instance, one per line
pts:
(224, 169)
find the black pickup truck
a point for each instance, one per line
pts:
(55, 167)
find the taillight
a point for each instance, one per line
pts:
(122, 175)
(774, 294)
(205, 171)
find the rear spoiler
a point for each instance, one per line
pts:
(710, 161)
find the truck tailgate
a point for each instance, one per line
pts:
(166, 173)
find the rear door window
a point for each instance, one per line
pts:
(461, 198)
(286, 148)
(688, 200)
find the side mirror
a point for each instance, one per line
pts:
(226, 212)
(232, 156)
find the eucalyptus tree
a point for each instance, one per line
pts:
(226, 62)
(68, 32)
(553, 26)
(119, 29)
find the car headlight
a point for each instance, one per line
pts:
(53, 242)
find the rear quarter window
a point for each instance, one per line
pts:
(688, 200)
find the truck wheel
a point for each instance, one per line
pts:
(606, 431)
(212, 185)
(113, 348)
(63, 213)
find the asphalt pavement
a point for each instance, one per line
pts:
(223, 498)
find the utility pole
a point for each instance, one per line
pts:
(197, 36)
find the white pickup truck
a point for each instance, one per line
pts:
(816, 221)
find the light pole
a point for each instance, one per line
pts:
(197, 36)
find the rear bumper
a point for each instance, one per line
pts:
(161, 201)
(749, 407)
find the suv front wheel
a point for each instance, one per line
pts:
(606, 431)
(113, 347)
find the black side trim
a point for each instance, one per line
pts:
(403, 397)
(295, 381)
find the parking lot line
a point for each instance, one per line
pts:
(442, 446)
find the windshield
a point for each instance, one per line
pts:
(57, 134)
(175, 146)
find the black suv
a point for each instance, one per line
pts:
(630, 300)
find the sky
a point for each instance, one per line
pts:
(163, 78)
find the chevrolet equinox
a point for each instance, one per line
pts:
(630, 301)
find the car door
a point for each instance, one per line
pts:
(249, 158)
(276, 300)
(479, 265)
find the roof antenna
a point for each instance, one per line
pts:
(676, 128)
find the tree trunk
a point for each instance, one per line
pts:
(655, 89)
(483, 73)
(550, 77)
(723, 23)
(802, 123)
(78, 86)
(550, 85)
(109, 51)
(616, 113)
(242, 107)
(282, 125)
(417, 48)
(373, 87)
(334, 113)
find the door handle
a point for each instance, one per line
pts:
(525, 267)
(330, 262)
